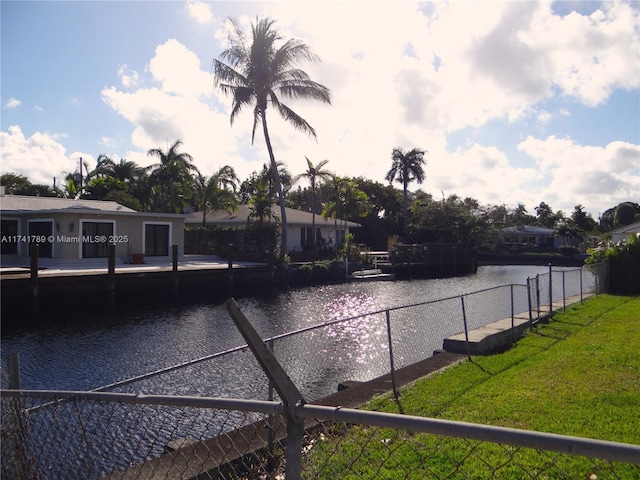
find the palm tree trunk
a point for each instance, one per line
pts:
(276, 178)
(405, 208)
(313, 220)
(335, 234)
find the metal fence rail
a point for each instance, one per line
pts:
(87, 435)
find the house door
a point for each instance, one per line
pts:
(9, 232)
(95, 239)
(42, 230)
(156, 240)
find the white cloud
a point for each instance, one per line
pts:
(12, 103)
(109, 143)
(199, 11)
(178, 108)
(410, 82)
(178, 70)
(128, 78)
(481, 172)
(593, 176)
(39, 157)
(590, 55)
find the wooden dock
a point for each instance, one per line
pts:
(72, 288)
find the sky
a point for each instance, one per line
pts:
(515, 102)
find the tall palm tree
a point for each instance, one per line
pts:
(172, 175)
(314, 173)
(267, 177)
(124, 170)
(257, 73)
(261, 203)
(405, 168)
(217, 192)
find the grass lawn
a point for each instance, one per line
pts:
(578, 375)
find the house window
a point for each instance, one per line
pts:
(306, 237)
(42, 229)
(305, 233)
(95, 239)
(156, 239)
(9, 232)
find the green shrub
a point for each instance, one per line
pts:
(624, 264)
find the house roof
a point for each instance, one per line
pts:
(528, 230)
(241, 216)
(25, 204)
(631, 228)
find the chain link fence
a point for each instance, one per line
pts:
(182, 432)
(366, 346)
(91, 435)
(561, 286)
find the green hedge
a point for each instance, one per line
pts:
(624, 264)
(252, 242)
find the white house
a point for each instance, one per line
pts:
(67, 229)
(527, 235)
(623, 233)
(300, 225)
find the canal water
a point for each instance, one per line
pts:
(87, 349)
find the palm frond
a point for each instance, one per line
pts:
(292, 117)
(294, 52)
(304, 89)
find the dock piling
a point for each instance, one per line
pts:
(174, 271)
(33, 252)
(111, 276)
(13, 368)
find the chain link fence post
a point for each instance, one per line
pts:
(270, 417)
(581, 287)
(538, 297)
(529, 305)
(550, 290)
(396, 395)
(289, 393)
(513, 330)
(466, 329)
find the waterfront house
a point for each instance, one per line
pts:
(623, 233)
(69, 229)
(532, 236)
(300, 223)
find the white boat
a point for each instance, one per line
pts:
(368, 275)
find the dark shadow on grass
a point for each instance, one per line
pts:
(484, 369)
(560, 334)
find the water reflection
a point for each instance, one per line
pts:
(85, 353)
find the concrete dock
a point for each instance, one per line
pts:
(498, 336)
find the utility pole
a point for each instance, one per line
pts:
(80, 176)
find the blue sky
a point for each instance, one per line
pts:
(515, 102)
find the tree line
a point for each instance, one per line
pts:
(387, 214)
